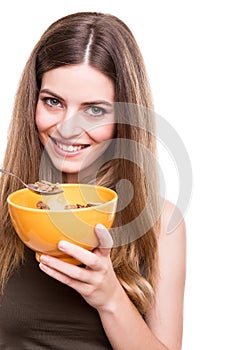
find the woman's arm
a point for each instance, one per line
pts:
(98, 284)
(125, 328)
(165, 319)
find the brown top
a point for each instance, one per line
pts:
(38, 312)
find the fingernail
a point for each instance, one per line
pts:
(100, 227)
(42, 267)
(62, 245)
(44, 258)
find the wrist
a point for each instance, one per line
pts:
(114, 302)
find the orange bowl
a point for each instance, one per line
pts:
(41, 230)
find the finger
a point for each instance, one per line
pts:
(105, 239)
(86, 257)
(80, 286)
(70, 271)
(83, 288)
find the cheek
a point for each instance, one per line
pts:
(42, 122)
(102, 133)
(38, 119)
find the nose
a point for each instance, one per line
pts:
(70, 126)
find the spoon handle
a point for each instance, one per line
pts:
(9, 173)
(32, 187)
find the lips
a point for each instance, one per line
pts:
(68, 147)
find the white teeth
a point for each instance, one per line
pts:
(70, 148)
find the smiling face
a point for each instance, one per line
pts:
(75, 116)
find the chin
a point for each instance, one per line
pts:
(65, 167)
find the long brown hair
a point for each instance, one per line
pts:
(106, 43)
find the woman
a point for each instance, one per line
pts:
(83, 113)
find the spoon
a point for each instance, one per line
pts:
(34, 187)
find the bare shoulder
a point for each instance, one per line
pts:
(166, 317)
(172, 243)
(172, 220)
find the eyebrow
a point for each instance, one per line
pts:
(47, 91)
(87, 103)
(98, 102)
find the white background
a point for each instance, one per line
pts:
(187, 46)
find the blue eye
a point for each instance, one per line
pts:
(52, 102)
(96, 111)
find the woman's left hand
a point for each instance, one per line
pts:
(97, 283)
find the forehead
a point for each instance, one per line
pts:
(82, 81)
